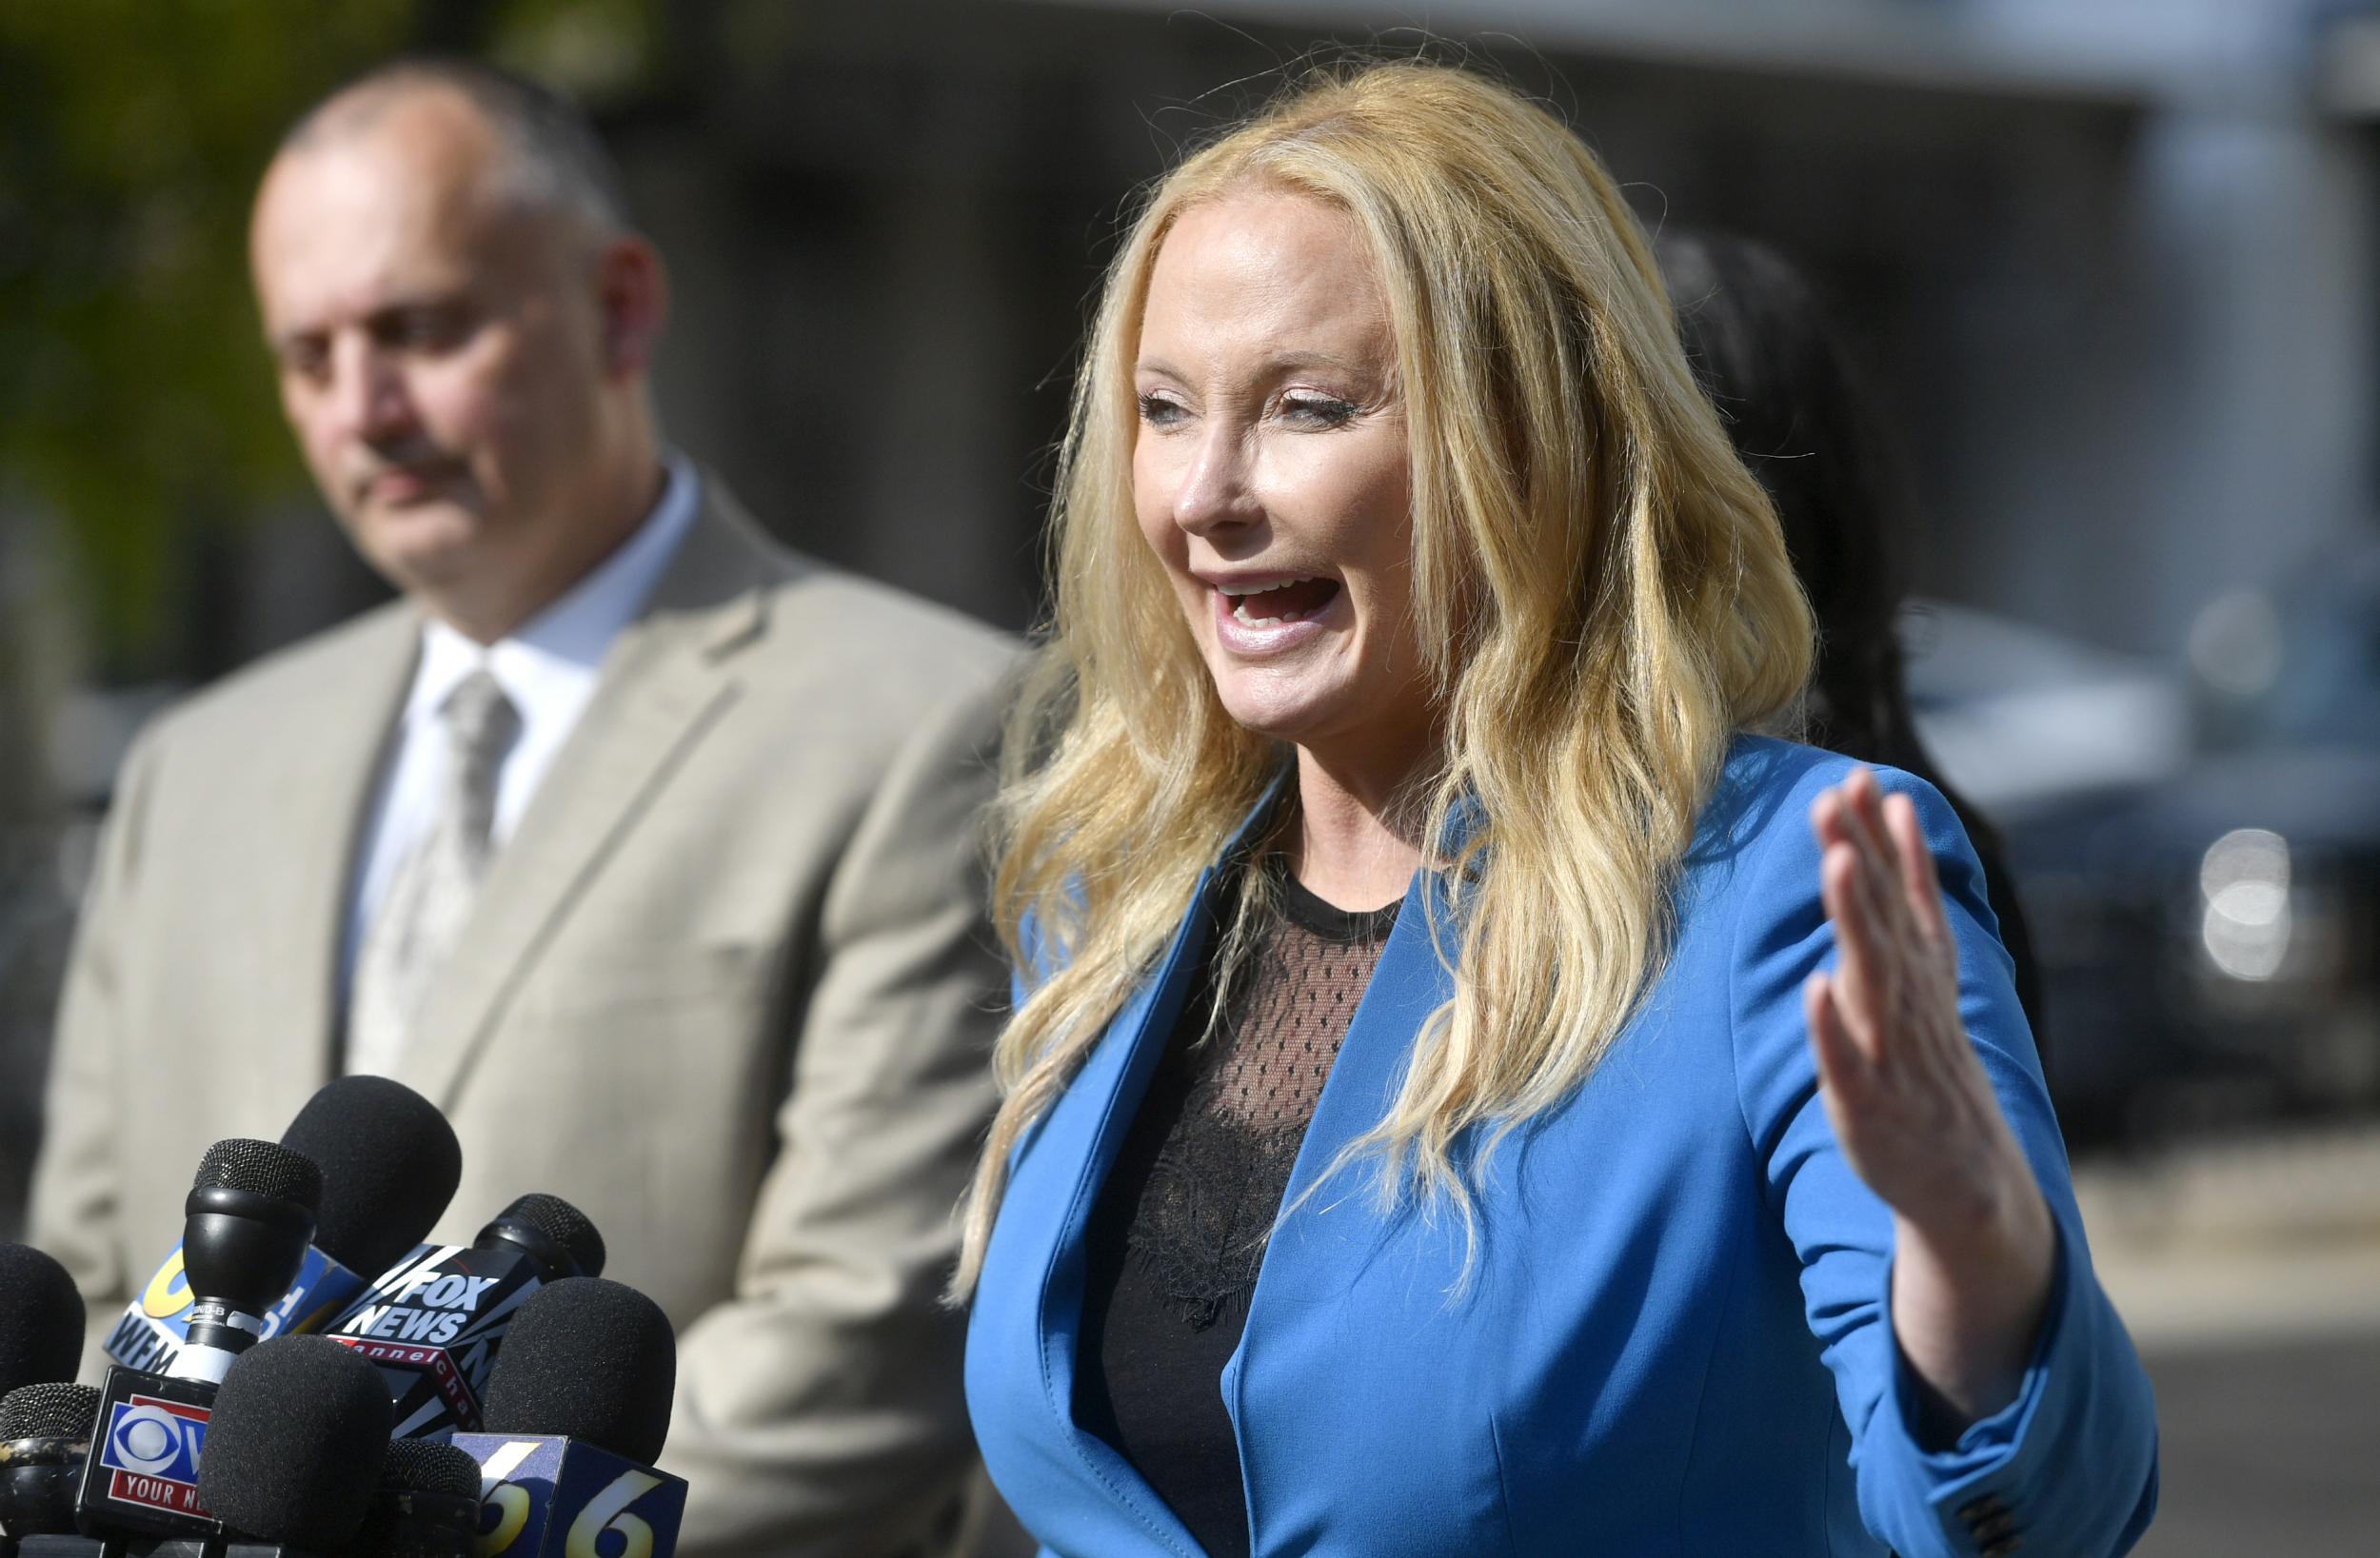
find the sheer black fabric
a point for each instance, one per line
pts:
(1179, 1232)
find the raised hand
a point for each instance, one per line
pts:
(1974, 1244)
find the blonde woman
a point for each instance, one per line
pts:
(1467, 1095)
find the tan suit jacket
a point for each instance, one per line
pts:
(726, 989)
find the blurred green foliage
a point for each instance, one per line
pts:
(135, 403)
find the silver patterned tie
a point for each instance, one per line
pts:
(428, 898)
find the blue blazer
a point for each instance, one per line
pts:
(1675, 1339)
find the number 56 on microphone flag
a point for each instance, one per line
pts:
(548, 1497)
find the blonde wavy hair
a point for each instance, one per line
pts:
(1600, 591)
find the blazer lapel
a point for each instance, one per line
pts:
(1335, 1228)
(1083, 1132)
(317, 804)
(662, 684)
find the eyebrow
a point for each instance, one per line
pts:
(1278, 363)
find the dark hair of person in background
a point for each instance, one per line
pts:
(1765, 351)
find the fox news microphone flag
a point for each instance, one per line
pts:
(436, 1321)
(577, 1409)
(248, 1216)
(390, 1164)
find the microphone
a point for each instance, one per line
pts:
(296, 1445)
(436, 1321)
(390, 1164)
(44, 1436)
(577, 1411)
(250, 1214)
(426, 1504)
(41, 1319)
(248, 1220)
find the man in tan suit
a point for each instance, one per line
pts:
(640, 846)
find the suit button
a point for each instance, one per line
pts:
(2005, 1546)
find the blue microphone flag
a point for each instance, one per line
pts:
(548, 1497)
(155, 1326)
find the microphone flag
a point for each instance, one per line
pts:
(548, 1497)
(156, 1325)
(141, 1472)
(434, 1323)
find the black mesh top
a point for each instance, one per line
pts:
(1179, 1232)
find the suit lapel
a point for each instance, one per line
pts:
(317, 810)
(664, 683)
(1085, 1130)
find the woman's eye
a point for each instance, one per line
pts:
(1160, 413)
(1317, 410)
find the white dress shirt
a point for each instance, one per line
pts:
(548, 667)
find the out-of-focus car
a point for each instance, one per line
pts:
(2285, 806)
(2058, 742)
(2027, 722)
(2198, 851)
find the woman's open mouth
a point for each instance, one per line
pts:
(1275, 605)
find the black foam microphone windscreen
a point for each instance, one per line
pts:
(295, 1444)
(587, 1360)
(41, 1319)
(389, 1163)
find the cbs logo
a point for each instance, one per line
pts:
(145, 1439)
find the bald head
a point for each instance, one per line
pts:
(545, 154)
(461, 350)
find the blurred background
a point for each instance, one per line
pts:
(2110, 265)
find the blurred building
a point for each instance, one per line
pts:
(2111, 263)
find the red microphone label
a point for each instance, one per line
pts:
(436, 1362)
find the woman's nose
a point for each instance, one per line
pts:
(1216, 491)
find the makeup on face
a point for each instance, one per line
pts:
(1270, 473)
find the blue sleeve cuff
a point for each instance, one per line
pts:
(1986, 1442)
(2017, 1479)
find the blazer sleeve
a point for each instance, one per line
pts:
(2070, 1465)
(821, 1410)
(75, 1196)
